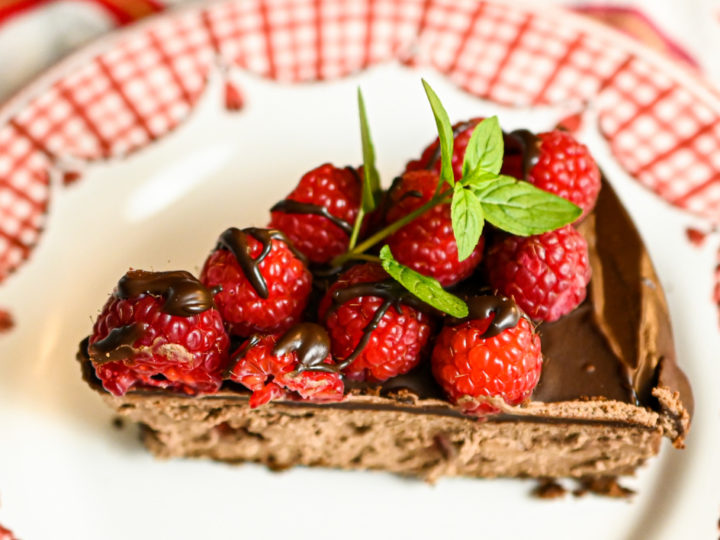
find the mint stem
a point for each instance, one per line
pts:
(356, 228)
(366, 244)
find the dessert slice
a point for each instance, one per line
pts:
(389, 370)
(610, 390)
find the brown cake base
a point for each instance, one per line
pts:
(426, 438)
(610, 390)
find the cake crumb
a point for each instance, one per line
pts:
(549, 489)
(118, 422)
(606, 486)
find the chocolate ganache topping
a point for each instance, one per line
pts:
(291, 206)
(505, 313)
(235, 241)
(393, 294)
(117, 345)
(311, 343)
(184, 295)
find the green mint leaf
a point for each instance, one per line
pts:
(467, 220)
(425, 288)
(445, 134)
(371, 178)
(520, 208)
(485, 148)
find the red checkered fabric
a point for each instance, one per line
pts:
(146, 81)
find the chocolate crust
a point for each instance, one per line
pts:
(610, 390)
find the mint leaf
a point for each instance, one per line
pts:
(445, 134)
(371, 180)
(425, 288)
(485, 148)
(467, 220)
(520, 208)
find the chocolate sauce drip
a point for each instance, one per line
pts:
(529, 146)
(393, 295)
(117, 345)
(505, 311)
(457, 129)
(295, 207)
(184, 294)
(311, 343)
(240, 354)
(235, 241)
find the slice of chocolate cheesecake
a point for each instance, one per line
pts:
(610, 390)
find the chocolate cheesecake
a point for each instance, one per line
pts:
(609, 392)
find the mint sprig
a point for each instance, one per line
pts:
(467, 217)
(520, 208)
(425, 288)
(445, 135)
(371, 178)
(485, 149)
(483, 193)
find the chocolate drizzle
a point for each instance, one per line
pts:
(235, 241)
(240, 354)
(311, 343)
(505, 313)
(184, 294)
(117, 345)
(295, 207)
(393, 294)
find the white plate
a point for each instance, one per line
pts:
(66, 472)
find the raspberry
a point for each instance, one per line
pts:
(430, 158)
(427, 244)
(371, 326)
(159, 330)
(470, 366)
(565, 168)
(283, 374)
(320, 225)
(545, 274)
(264, 285)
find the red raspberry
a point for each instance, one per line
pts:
(469, 366)
(430, 158)
(565, 168)
(427, 244)
(272, 375)
(545, 274)
(349, 308)
(330, 191)
(147, 339)
(264, 283)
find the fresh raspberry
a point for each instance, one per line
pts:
(273, 376)
(565, 168)
(470, 367)
(349, 308)
(430, 158)
(328, 190)
(262, 284)
(144, 341)
(545, 274)
(427, 244)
